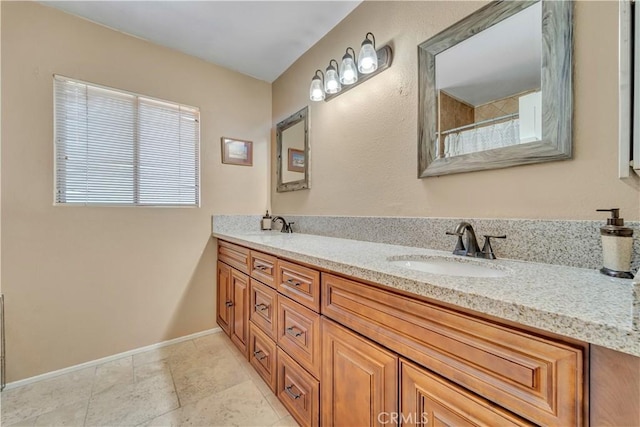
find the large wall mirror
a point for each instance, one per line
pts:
(496, 89)
(292, 136)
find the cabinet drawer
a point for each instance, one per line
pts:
(299, 334)
(263, 268)
(537, 378)
(234, 255)
(298, 391)
(299, 283)
(428, 399)
(263, 308)
(262, 355)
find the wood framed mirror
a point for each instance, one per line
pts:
(496, 89)
(292, 136)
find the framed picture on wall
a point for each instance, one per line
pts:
(237, 151)
(296, 160)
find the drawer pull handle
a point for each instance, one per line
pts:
(261, 307)
(290, 330)
(261, 267)
(293, 282)
(257, 352)
(229, 303)
(292, 394)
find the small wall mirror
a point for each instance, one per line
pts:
(292, 136)
(496, 89)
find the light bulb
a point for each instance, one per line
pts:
(315, 90)
(331, 83)
(348, 71)
(367, 58)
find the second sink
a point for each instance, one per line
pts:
(450, 266)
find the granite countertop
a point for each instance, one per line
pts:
(573, 302)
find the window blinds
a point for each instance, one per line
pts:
(118, 148)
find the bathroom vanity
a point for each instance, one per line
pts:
(344, 335)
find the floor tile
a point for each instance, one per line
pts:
(24, 423)
(170, 352)
(240, 405)
(212, 341)
(151, 369)
(273, 400)
(113, 373)
(196, 378)
(287, 421)
(235, 351)
(132, 404)
(35, 399)
(71, 415)
(206, 381)
(257, 379)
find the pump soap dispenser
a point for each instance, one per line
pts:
(617, 245)
(265, 223)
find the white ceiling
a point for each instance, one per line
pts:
(500, 61)
(258, 38)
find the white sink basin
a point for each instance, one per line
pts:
(451, 267)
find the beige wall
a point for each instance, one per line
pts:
(363, 143)
(86, 282)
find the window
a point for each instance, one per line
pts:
(117, 148)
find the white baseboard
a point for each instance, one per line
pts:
(100, 361)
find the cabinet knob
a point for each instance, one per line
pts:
(229, 303)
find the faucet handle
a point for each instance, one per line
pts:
(459, 249)
(290, 227)
(487, 250)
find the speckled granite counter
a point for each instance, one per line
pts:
(573, 302)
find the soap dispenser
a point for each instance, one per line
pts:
(617, 245)
(265, 223)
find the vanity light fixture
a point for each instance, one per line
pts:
(316, 92)
(331, 82)
(350, 73)
(367, 58)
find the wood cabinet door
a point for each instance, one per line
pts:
(426, 399)
(223, 296)
(240, 311)
(359, 379)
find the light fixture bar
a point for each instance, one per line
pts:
(385, 55)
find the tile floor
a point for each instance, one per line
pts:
(201, 382)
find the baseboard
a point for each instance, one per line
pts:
(100, 361)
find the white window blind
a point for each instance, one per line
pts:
(117, 148)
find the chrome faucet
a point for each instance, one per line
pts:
(286, 227)
(470, 247)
